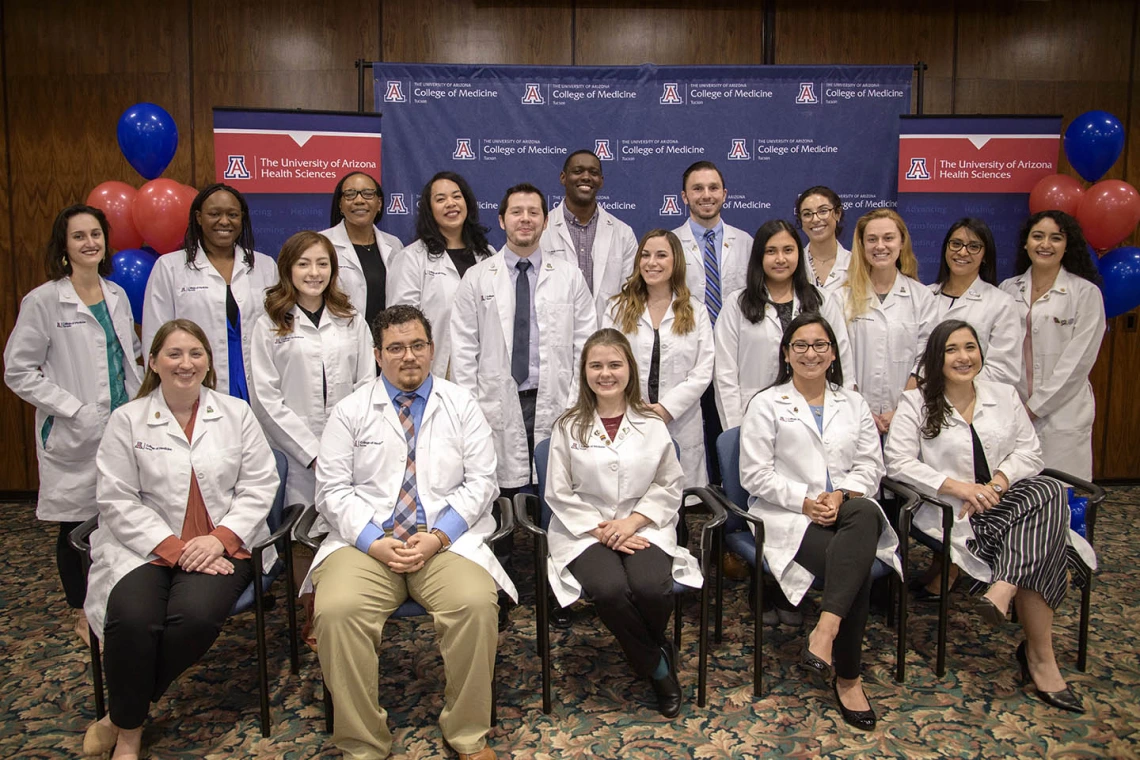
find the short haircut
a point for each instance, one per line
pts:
(522, 187)
(698, 166)
(583, 152)
(397, 315)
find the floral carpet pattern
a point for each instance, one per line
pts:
(978, 710)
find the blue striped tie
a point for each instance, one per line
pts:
(712, 276)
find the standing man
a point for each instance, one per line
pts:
(518, 325)
(405, 480)
(716, 263)
(582, 232)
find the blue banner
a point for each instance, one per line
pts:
(772, 130)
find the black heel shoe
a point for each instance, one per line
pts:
(861, 719)
(990, 613)
(815, 665)
(1066, 699)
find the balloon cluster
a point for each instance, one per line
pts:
(157, 213)
(1108, 211)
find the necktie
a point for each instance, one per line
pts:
(520, 356)
(404, 516)
(712, 276)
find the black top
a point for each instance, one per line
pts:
(654, 381)
(233, 315)
(462, 259)
(981, 466)
(375, 278)
(784, 312)
(314, 316)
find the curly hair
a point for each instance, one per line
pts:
(1076, 259)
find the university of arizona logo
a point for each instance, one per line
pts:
(670, 206)
(807, 94)
(396, 204)
(395, 92)
(917, 169)
(463, 150)
(235, 168)
(739, 150)
(602, 150)
(670, 96)
(533, 95)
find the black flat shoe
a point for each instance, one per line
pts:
(816, 666)
(990, 613)
(559, 615)
(864, 720)
(1066, 699)
(924, 595)
(668, 693)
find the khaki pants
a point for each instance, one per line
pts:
(355, 596)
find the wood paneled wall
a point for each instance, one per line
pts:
(71, 68)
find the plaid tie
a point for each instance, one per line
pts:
(712, 276)
(404, 516)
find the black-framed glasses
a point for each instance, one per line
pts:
(350, 194)
(397, 350)
(823, 212)
(819, 346)
(973, 249)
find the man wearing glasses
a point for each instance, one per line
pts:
(405, 478)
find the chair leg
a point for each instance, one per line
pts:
(758, 629)
(1083, 631)
(97, 677)
(291, 609)
(542, 622)
(677, 623)
(943, 610)
(494, 697)
(703, 648)
(328, 706)
(900, 632)
(262, 656)
(718, 552)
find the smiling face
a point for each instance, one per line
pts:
(781, 255)
(448, 207)
(963, 359)
(523, 220)
(582, 179)
(812, 364)
(220, 219)
(360, 211)
(819, 218)
(656, 261)
(405, 355)
(86, 245)
(964, 262)
(705, 195)
(181, 362)
(311, 271)
(607, 372)
(882, 243)
(1046, 245)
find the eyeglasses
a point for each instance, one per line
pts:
(820, 346)
(823, 212)
(350, 194)
(397, 350)
(974, 249)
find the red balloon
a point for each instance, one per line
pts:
(115, 200)
(1057, 191)
(161, 213)
(1108, 213)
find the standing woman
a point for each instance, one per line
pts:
(671, 335)
(217, 281)
(310, 350)
(73, 355)
(364, 253)
(753, 320)
(970, 441)
(967, 290)
(616, 537)
(819, 212)
(1060, 304)
(810, 460)
(186, 479)
(889, 313)
(449, 241)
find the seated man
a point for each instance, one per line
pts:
(405, 478)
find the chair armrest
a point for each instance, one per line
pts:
(523, 504)
(507, 522)
(911, 498)
(1095, 492)
(292, 515)
(78, 538)
(709, 502)
(305, 527)
(727, 504)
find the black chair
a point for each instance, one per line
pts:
(280, 520)
(533, 515)
(410, 607)
(751, 548)
(942, 548)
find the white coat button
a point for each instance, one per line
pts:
(613, 466)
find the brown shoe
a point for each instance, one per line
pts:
(734, 567)
(484, 754)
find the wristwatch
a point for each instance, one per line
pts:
(846, 494)
(444, 541)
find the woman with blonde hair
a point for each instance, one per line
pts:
(889, 312)
(671, 336)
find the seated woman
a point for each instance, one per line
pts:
(185, 480)
(971, 442)
(809, 454)
(614, 490)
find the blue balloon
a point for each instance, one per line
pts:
(131, 270)
(1120, 269)
(148, 138)
(1093, 142)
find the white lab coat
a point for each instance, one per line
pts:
(585, 485)
(1068, 326)
(685, 374)
(482, 326)
(364, 454)
(197, 292)
(784, 459)
(748, 355)
(735, 250)
(350, 274)
(614, 253)
(888, 339)
(56, 360)
(1010, 445)
(429, 284)
(297, 380)
(144, 465)
(838, 274)
(993, 314)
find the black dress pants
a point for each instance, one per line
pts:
(70, 564)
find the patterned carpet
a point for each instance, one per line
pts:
(977, 710)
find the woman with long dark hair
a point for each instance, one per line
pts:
(449, 241)
(217, 281)
(970, 441)
(819, 213)
(1057, 295)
